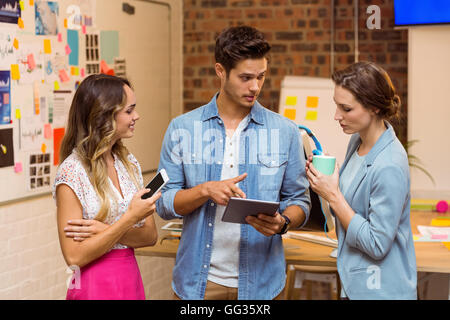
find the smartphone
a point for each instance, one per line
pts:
(157, 183)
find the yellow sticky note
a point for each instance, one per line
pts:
(291, 101)
(15, 73)
(312, 102)
(311, 115)
(20, 23)
(43, 148)
(16, 44)
(22, 6)
(440, 222)
(290, 114)
(415, 238)
(56, 85)
(47, 46)
(18, 114)
(447, 244)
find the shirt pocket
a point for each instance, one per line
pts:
(194, 171)
(271, 168)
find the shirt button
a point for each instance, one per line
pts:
(208, 246)
(210, 224)
(212, 204)
(231, 166)
(205, 266)
(219, 162)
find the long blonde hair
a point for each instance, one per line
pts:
(90, 130)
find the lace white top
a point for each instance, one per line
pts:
(72, 173)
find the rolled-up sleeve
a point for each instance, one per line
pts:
(170, 160)
(295, 187)
(375, 235)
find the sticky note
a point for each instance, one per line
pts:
(15, 73)
(440, 222)
(63, 75)
(18, 114)
(20, 23)
(291, 101)
(312, 102)
(415, 238)
(47, 46)
(43, 148)
(31, 2)
(22, 6)
(104, 68)
(290, 114)
(59, 37)
(447, 245)
(16, 44)
(83, 29)
(47, 131)
(18, 168)
(65, 23)
(58, 135)
(311, 115)
(74, 71)
(82, 72)
(31, 62)
(56, 85)
(68, 51)
(439, 236)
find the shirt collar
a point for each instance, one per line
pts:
(211, 111)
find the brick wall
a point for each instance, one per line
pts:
(299, 31)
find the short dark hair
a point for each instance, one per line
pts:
(372, 87)
(235, 44)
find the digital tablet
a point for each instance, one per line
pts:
(238, 208)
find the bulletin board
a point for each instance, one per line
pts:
(309, 101)
(46, 49)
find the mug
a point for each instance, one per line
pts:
(324, 164)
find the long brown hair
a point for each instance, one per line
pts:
(372, 87)
(90, 130)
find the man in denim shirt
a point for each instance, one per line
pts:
(233, 146)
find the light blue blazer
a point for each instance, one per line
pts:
(376, 257)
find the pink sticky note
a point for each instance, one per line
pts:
(31, 62)
(83, 29)
(439, 236)
(68, 50)
(82, 72)
(63, 75)
(18, 167)
(59, 37)
(47, 131)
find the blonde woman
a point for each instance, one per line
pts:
(98, 188)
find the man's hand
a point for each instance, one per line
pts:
(221, 191)
(265, 224)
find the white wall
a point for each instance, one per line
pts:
(429, 108)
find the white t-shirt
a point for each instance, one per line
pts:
(224, 265)
(72, 173)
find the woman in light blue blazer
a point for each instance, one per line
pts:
(370, 194)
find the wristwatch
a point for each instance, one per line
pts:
(286, 224)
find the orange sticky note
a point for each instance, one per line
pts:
(47, 131)
(16, 44)
(311, 115)
(312, 102)
(43, 148)
(31, 2)
(104, 68)
(291, 101)
(290, 114)
(74, 71)
(20, 23)
(15, 73)
(65, 23)
(47, 46)
(58, 135)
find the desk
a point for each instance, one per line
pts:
(430, 256)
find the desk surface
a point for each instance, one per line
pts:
(430, 256)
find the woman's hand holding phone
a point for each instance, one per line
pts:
(142, 208)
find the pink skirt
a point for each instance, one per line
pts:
(114, 276)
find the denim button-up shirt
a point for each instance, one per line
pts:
(271, 153)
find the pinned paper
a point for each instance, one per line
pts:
(73, 43)
(31, 62)
(15, 73)
(290, 114)
(47, 46)
(63, 75)
(291, 101)
(47, 131)
(312, 102)
(20, 23)
(16, 44)
(18, 114)
(43, 148)
(56, 85)
(18, 167)
(311, 115)
(105, 69)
